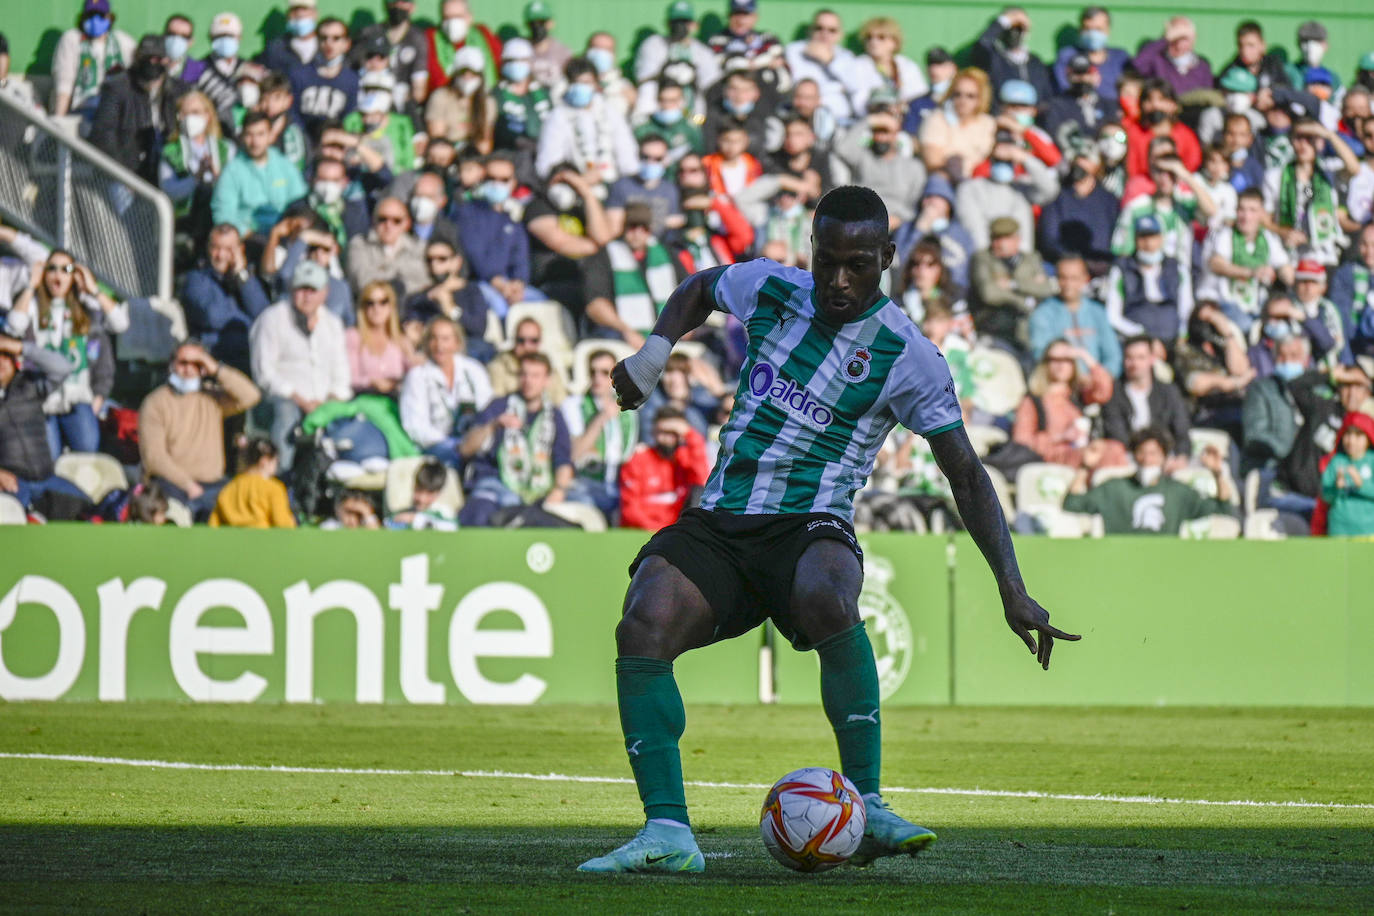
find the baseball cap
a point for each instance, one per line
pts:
(883, 95)
(1018, 92)
(1147, 225)
(377, 46)
(1311, 30)
(1081, 64)
(99, 7)
(1367, 62)
(310, 274)
(1004, 226)
(517, 49)
(1309, 269)
(744, 6)
(301, 4)
(469, 58)
(681, 9)
(225, 24)
(151, 46)
(1318, 76)
(537, 11)
(1238, 79)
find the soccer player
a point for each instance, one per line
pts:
(832, 365)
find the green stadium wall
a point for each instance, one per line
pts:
(91, 613)
(33, 28)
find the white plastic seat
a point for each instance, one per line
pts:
(1199, 437)
(583, 351)
(1210, 528)
(94, 472)
(589, 518)
(1204, 482)
(179, 514)
(1040, 484)
(496, 332)
(12, 511)
(555, 324)
(1262, 525)
(1002, 489)
(400, 486)
(1102, 475)
(985, 438)
(1000, 384)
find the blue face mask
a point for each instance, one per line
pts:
(496, 192)
(1276, 330)
(183, 385)
(225, 47)
(1150, 257)
(516, 70)
(939, 224)
(176, 46)
(1092, 39)
(601, 59)
(1289, 371)
(668, 117)
(301, 27)
(95, 26)
(651, 171)
(579, 95)
(741, 110)
(1002, 172)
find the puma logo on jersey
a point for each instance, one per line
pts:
(783, 318)
(633, 749)
(856, 717)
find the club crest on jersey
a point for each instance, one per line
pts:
(858, 364)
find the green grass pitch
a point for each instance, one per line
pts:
(98, 836)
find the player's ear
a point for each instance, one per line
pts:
(889, 252)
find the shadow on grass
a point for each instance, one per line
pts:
(531, 870)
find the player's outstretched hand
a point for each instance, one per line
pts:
(627, 394)
(1024, 615)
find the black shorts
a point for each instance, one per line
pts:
(744, 564)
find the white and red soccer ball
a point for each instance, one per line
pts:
(813, 819)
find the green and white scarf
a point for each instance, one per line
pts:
(614, 444)
(1245, 294)
(1361, 300)
(641, 289)
(1320, 213)
(89, 73)
(524, 458)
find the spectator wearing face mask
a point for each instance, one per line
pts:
(1302, 197)
(1003, 51)
(522, 102)
(137, 111)
(497, 247)
(389, 252)
(216, 74)
(429, 207)
(403, 44)
(874, 153)
(463, 112)
(620, 94)
(714, 232)
(1159, 111)
(1282, 319)
(586, 130)
(1245, 154)
(326, 87)
(1083, 108)
(822, 57)
(739, 106)
(670, 121)
(26, 464)
(181, 426)
(1141, 400)
(389, 134)
(1254, 57)
(299, 44)
(657, 50)
(1274, 410)
(255, 188)
(934, 220)
(567, 224)
(1108, 63)
(85, 55)
(1174, 58)
(940, 71)
(1007, 284)
(1178, 197)
(345, 216)
(1018, 164)
(1081, 219)
(643, 275)
(456, 31)
(549, 55)
(192, 159)
(1240, 88)
(649, 186)
(1149, 292)
(983, 199)
(1148, 502)
(222, 298)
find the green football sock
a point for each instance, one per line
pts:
(652, 718)
(849, 692)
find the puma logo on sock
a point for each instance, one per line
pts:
(856, 717)
(633, 749)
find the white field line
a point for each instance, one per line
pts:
(621, 780)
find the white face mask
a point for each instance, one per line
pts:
(562, 196)
(1148, 475)
(1238, 102)
(1312, 52)
(424, 209)
(467, 85)
(455, 30)
(329, 192)
(184, 385)
(1112, 150)
(249, 93)
(195, 124)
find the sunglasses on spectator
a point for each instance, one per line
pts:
(68, 268)
(317, 249)
(436, 258)
(527, 340)
(389, 218)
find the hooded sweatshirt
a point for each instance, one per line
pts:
(1348, 511)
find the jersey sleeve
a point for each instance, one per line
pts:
(736, 289)
(922, 395)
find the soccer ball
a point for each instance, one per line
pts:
(813, 819)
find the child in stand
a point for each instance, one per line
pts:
(1348, 481)
(255, 498)
(426, 511)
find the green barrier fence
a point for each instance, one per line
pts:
(33, 29)
(518, 617)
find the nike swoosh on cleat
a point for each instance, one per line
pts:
(654, 860)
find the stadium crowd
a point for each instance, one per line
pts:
(424, 247)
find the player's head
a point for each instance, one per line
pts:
(852, 248)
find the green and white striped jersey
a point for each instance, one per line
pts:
(817, 400)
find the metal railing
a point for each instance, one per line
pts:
(67, 194)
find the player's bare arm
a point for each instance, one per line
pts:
(982, 516)
(686, 310)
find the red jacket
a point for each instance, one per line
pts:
(438, 77)
(1138, 138)
(653, 489)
